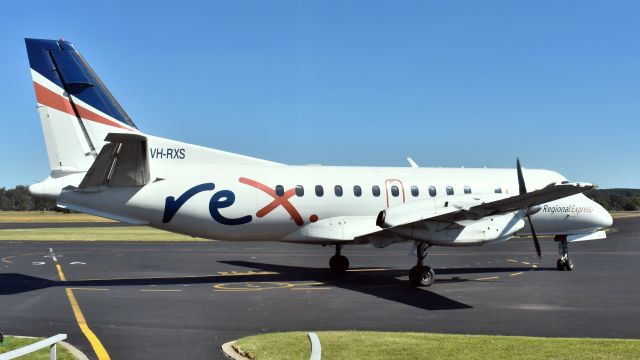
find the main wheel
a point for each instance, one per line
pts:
(568, 265)
(560, 265)
(421, 276)
(339, 263)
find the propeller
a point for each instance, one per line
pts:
(523, 190)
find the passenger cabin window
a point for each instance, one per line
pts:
(395, 191)
(279, 190)
(498, 190)
(299, 190)
(357, 191)
(449, 190)
(319, 190)
(415, 191)
(432, 191)
(467, 190)
(338, 190)
(375, 190)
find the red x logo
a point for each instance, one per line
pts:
(277, 200)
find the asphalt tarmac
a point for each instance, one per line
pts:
(183, 300)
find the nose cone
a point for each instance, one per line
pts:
(601, 217)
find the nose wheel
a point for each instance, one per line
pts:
(338, 262)
(421, 275)
(564, 263)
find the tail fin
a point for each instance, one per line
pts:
(76, 109)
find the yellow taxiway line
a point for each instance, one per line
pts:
(100, 351)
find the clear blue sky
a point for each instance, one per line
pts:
(450, 83)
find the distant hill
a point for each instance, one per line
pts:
(616, 199)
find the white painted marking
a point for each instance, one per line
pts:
(77, 263)
(38, 263)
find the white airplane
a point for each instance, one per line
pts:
(102, 164)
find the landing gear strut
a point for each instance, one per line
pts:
(564, 263)
(338, 262)
(421, 275)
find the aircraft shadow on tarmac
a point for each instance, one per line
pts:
(383, 284)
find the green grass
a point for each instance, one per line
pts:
(46, 216)
(624, 214)
(354, 345)
(124, 233)
(12, 343)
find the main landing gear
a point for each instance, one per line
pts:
(338, 262)
(564, 263)
(421, 275)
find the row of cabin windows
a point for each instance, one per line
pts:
(375, 190)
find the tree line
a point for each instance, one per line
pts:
(19, 199)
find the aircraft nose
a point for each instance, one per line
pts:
(601, 217)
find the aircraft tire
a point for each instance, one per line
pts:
(568, 265)
(560, 265)
(421, 276)
(339, 263)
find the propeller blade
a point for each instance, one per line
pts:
(535, 237)
(523, 188)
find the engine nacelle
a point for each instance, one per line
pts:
(468, 232)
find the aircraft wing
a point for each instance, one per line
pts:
(551, 192)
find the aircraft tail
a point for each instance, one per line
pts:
(76, 109)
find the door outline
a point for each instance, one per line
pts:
(387, 186)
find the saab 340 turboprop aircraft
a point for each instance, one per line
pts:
(102, 164)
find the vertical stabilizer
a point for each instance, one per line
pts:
(76, 109)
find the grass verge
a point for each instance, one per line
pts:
(124, 233)
(12, 343)
(624, 214)
(47, 216)
(367, 345)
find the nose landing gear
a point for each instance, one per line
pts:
(421, 275)
(338, 262)
(564, 263)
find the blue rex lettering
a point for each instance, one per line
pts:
(219, 200)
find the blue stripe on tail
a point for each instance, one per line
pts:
(63, 65)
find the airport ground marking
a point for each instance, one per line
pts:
(89, 289)
(488, 278)
(60, 273)
(100, 351)
(517, 274)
